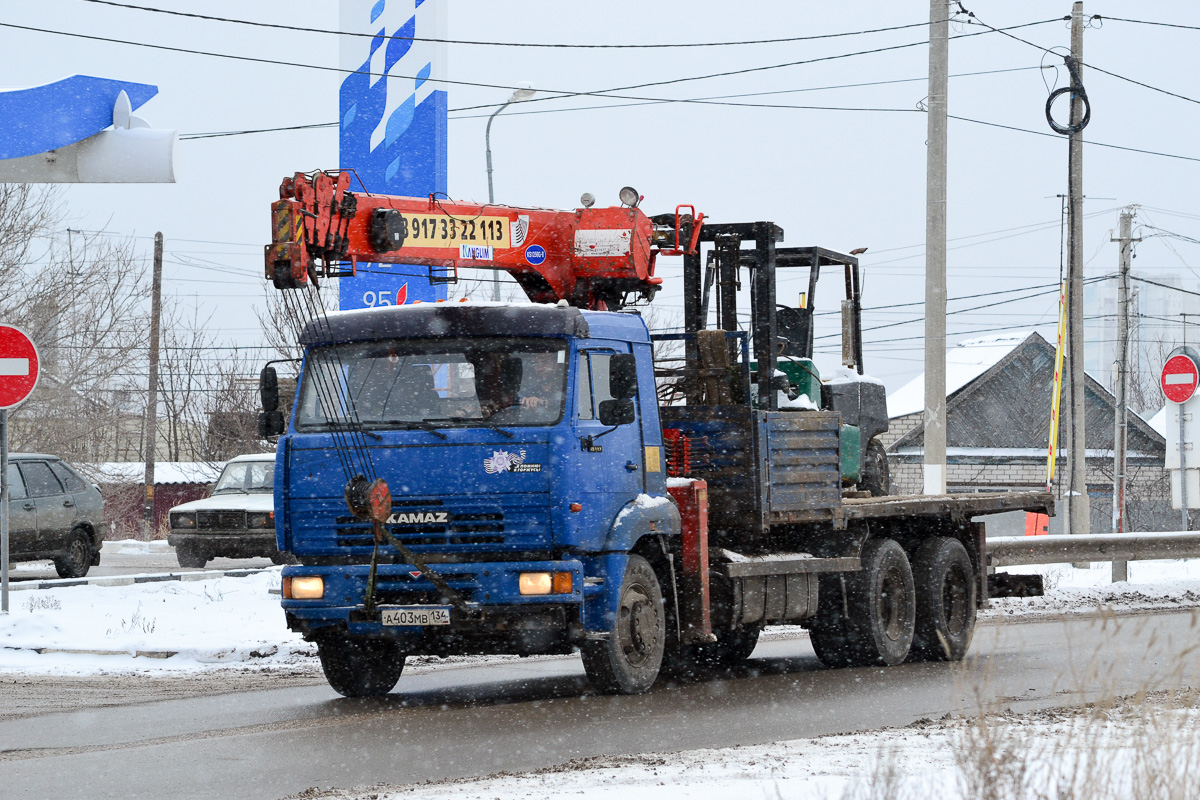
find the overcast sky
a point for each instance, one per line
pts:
(837, 178)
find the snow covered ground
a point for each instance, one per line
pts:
(198, 627)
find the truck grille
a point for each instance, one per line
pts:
(434, 523)
(220, 520)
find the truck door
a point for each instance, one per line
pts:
(611, 457)
(22, 515)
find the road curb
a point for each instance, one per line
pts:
(130, 580)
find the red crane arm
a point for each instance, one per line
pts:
(591, 257)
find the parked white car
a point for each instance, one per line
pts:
(236, 521)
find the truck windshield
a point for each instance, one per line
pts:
(248, 477)
(403, 383)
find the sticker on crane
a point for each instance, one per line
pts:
(441, 230)
(602, 243)
(475, 252)
(520, 230)
(535, 254)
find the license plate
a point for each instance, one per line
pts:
(416, 615)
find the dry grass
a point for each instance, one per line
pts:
(1140, 746)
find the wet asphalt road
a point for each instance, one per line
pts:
(475, 720)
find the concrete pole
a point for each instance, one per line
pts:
(1120, 569)
(1078, 506)
(935, 249)
(152, 398)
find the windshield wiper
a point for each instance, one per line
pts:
(423, 424)
(509, 434)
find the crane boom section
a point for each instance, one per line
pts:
(591, 257)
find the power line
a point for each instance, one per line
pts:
(555, 93)
(1091, 142)
(1163, 285)
(301, 29)
(633, 104)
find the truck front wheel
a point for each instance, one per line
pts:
(357, 667)
(628, 661)
(946, 611)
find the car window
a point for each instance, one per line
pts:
(39, 480)
(73, 482)
(246, 477)
(16, 486)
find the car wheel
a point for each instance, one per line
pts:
(190, 557)
(628, 661)
(358, 667)
(279, 558)
(946, 594)
(76, 560)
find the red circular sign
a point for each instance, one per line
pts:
(1179, 378)
(18, 366)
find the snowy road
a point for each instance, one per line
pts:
(477, 720)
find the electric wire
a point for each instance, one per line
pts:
(434, 40)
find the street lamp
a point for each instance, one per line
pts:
(524, 93)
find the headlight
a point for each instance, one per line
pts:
(545, 583)
(260, 519)
(309, 587)
(535, 583)
(184, 519)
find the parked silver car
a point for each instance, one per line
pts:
(237, 521)
(53, 513)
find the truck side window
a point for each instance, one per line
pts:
(593, 382)
(586, 410)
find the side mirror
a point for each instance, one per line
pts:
(268, 389)
(270, 421)
(616, 412)
(622, 377)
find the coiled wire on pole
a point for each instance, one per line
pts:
(1076, 89)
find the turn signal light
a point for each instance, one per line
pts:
(311, 587)
(562, 583)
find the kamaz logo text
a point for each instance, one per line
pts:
(418, 518)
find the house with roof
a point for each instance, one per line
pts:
(997, 435)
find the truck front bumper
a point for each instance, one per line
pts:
(499, 618)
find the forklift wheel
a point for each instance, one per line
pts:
(876, 478)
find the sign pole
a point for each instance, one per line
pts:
(4, 511)
(1183, 470)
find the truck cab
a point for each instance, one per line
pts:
(522, 447)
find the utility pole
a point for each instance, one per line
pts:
(1078, 506)
(935, 249)
(1120, 569)
(152, 400)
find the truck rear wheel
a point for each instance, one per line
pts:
(946, 593)
(357, 667)
(881, 602)
(628, 661)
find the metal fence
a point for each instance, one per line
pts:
(1008, 551)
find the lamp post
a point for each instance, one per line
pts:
(524, 93)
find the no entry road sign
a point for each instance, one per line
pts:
(1179, 378)
(18, 366)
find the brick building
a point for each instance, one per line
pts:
(998, 427)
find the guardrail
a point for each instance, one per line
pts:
(1008, 551)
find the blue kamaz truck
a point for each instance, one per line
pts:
(534, 478)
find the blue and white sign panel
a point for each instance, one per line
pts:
(393, 125)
